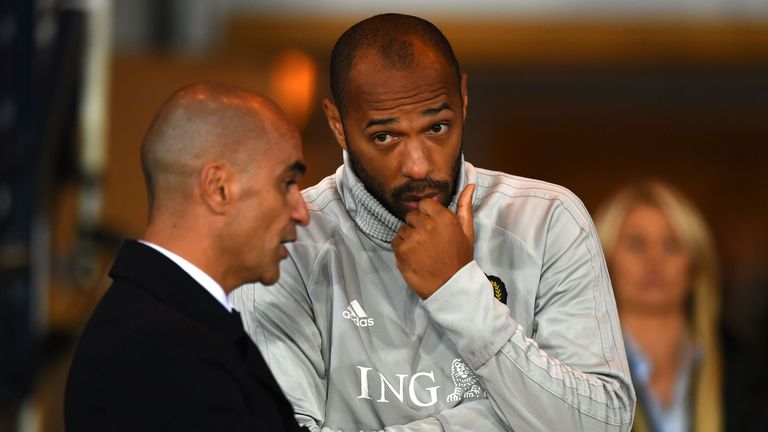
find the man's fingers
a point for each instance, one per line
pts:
(412, 218)
(464, 212)
(402, 232)
(430, 206)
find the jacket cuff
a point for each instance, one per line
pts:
(467, 312)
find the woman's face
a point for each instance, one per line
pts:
(650, 265)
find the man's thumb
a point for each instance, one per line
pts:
(464, 212)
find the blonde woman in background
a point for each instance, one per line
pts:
(665, 277)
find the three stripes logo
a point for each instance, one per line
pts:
(357, 315)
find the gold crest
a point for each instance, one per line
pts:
(499, 289)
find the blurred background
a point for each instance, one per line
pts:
(590, 95)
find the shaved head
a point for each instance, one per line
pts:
(222, 167)
(391, 39)
(200, 123)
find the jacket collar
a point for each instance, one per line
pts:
(157, 274)
(164, 279)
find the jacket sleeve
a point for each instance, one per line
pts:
(468, 417)
(568, 372)
(471, 416)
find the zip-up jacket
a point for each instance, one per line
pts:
(525, 337)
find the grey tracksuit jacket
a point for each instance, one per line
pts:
(525, 337)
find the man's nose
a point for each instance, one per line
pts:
(417, 159)
(300, 213)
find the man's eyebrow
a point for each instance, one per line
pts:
(435, 111)
(297, 167)
(380, 122)
(386, 121)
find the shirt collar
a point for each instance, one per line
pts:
(198, 275)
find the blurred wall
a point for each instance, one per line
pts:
(587, 104)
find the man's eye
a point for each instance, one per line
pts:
(383, 138)
(439, 128)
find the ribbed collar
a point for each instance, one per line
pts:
(375, 221)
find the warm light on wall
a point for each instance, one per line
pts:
(292, 82)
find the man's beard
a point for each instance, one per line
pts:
(394, 200)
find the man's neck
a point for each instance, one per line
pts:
(197, 249)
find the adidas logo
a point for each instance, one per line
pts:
(357, 315)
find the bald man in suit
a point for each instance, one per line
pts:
(164, 350)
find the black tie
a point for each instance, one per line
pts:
(242, 341)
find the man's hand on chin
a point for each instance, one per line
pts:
(434, 244)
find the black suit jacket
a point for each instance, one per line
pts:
(160, 353)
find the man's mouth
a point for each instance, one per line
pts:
(285, 241)
(412, 200)
(282, 249)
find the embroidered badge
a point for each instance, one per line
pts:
(499, 289)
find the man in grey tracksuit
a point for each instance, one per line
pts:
(427, 294)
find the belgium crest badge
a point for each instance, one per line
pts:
(499, 289)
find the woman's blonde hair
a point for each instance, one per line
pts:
(705, 290)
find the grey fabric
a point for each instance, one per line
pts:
(373, 219)
(355, 349)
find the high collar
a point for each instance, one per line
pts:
(373, 219)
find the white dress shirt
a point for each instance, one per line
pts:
(198, 275)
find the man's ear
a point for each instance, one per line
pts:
(216, 186)
(334, 121)
(464, 95)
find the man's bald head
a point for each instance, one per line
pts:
(201, 123)
(390, 39)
